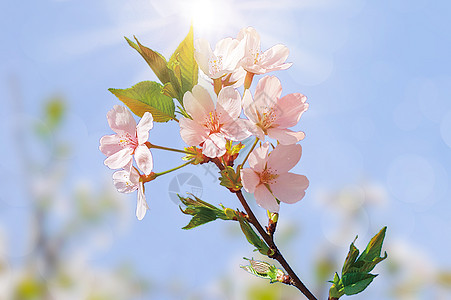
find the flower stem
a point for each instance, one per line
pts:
(270, 242)
(173, 169)
(248, 80)
(149, 145)
(247, 155)
(217, 83)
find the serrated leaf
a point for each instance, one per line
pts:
(350, 258)
(201, 211)
(353, 286)
(336, 290)
(252, 237)
(183, 63)
(146, 96)
(169, 90)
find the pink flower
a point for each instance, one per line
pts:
(271, 115)
(127, 182)
(268, 177)
(129, 140)
(257, 62)
(211, 126)
(223, 60)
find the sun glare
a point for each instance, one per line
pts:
(208, 16)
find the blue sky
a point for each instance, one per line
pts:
(376, 74)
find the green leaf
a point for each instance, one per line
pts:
(354, 283)
(147, 96)
(252, 237)
(230, 179)
(355, 276)
(263, 270)
(183, 64)
(201, 211)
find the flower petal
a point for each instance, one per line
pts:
(202, 54)
(110, 144)
(120, 119)
(249, 179)
(214, 146)
(229, 104)
(258, 157)
(286, 136)
(119, 159)
(249, 107)
(192, 132)
(123, 182)
(236, 130)
(274, 58)
(144, 159)
(143, 127)
(198, 103)
(141, 205)
(290, 109)
(267, 93)
(290, 187)
(284, 157)
(265, 199)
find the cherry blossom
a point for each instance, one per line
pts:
(129, 140)
(211, 126)
(223, 60)
(127, 182)
(268, 177)
(257, 62)
(270, 115)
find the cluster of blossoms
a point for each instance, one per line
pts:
(210, 125)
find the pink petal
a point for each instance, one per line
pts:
(214, 146)
(257, 159)
(141, 205)
(290, 109)
(285, 136)
(284, 157)
(265, 199)
(274, 58)
(198, 103)
(232, 54)
(229, 104)
(267, 93)
(249, 107)
(192, 132)
(249, 179)
(289, 187)
(144, 159)
(120, 119)
(119, 159)
(252, 40)
(123, 182)
(110, 144)
(144, 125)
(202, 54)
(236, 130)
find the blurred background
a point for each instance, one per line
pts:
(377, 150)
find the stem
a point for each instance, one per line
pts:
(247, 155)
(248, 80)
(217, 83)
(269, 241)
(173, 169)
(149, 145)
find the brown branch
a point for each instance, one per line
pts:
(270, 242)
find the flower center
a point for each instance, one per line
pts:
(126, 140)
(212, 122)
(267, 119)
(256, 55)
(268, 176)
(215, 65)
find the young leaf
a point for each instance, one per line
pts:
(183, 63)
(230, 179)
(201, 211)
(355, 276)
(147, 96)
(264, 270)
(252, 237)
